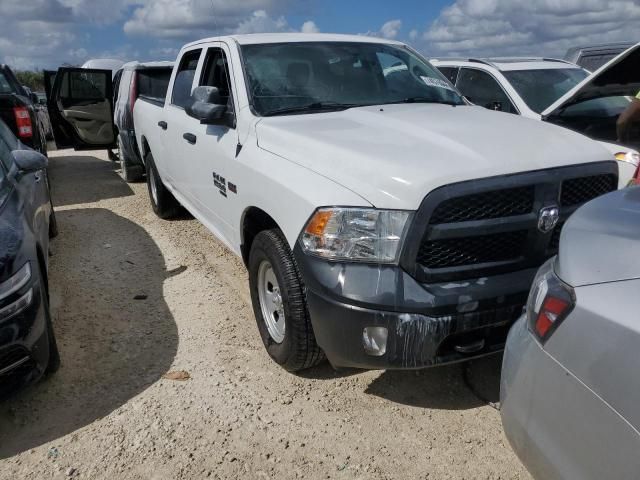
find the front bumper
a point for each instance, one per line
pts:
(427, 324)
(24, 343)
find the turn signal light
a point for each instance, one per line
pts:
(318, 222)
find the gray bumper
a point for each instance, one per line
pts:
(557, 426)
(426, 324)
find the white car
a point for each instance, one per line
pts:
(384, 221)
(558, 92)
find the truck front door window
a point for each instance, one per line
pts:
(216, 72)
(183, 83)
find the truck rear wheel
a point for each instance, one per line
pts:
(279, 303)
(163, 202)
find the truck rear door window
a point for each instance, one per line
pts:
(183, 83)
(153, 83)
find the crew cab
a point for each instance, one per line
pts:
(385, 222)
(19, 110)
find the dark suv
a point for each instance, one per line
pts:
(28, 347)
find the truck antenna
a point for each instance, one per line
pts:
(215, 20)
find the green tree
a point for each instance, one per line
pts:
(33, 80)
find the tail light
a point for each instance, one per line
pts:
(133, 90)
(23, 122)
(636, 178)
(550, 302)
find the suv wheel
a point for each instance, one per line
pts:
(163, 202)
(130, 173)
(279, 304)
(54, 354)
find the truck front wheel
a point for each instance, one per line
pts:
(279, 304)
(163, 202)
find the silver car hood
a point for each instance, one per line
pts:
(601, 242)
(618, 77)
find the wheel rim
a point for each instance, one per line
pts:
(271, 301)
(153, 186)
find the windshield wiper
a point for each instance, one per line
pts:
(312, 107)
(425, 100)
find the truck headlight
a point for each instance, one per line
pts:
(631, 157)
(16, 282)
(356, 234)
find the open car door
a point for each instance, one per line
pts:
(619, 77)
(49, 78)
(80, 106)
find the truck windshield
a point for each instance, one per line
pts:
(310, 77)
(540, 88)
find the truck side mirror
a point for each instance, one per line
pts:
(208, 106)
(29, 160)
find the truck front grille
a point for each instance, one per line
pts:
(580, 190)
(482, 206)
(455, 252)
(490, 226)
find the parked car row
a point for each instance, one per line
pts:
(386, 221)
(557, 92)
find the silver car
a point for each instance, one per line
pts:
(570, 388)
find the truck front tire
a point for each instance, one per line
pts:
(163, 202)
(279, 304)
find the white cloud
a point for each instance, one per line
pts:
(309, 27)
(47, 33)
(391, 28)
(260, 22)
(525, 27)
(193, 19)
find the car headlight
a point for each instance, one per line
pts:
(16, 282)
(631, 157)
(356, 234)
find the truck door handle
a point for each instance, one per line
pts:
(190, 137)
(162, 124)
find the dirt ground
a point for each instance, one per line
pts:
(134, 297)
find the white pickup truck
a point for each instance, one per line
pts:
(384, 221)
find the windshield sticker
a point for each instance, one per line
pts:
(436, 82)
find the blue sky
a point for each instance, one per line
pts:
(47, 33)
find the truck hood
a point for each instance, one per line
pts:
(610, 226)
(394, 155)
(618, 77)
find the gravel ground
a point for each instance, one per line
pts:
(135, 297)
